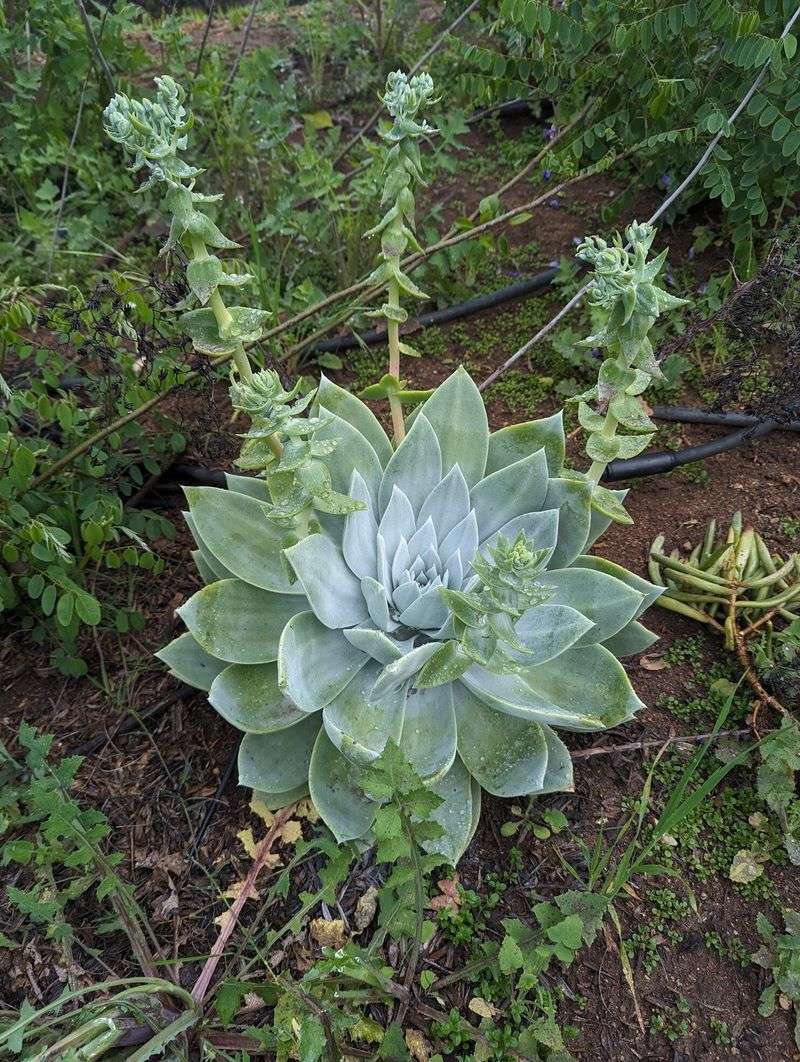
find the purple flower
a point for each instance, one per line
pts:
(553, 203)
(547, 174)
(665, 181)
(690, 254)
(549, 133)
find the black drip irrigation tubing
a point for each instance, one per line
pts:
(651, 464)
(440, 317)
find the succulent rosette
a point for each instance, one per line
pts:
(323, 647)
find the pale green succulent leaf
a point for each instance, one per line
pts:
(345, 405)
(507, 755)
(631, 640)
(202, 328)
(588, 419)
(518, 440)
(589, 680)
(448, 504)
(510, 492)
(334, 592)
(428, 738)
(249, 698)
(276, 801)
(315, 663)
(204, 275)
(238, 622)
(607, 601)
(573, 500)
(359, 538)
(457, 414)
(358, 723)
(188, 661)
(630, 412)
(514, 695)
(605, 502)
(558, 777)
(444, 666)
(541, 530)
(376, 644)
(650, 591)
(454, 814)
(395, 675)
(547, 631)
(333, 786)
(254, 488)
(237, 531)
(415, 467)
(353, 452)
(206, 572)
(275, 763)
(210, 561)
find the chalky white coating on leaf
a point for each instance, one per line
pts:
(371, 649)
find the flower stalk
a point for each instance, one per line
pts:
(404, 99)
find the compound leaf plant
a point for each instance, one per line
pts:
(433, 590)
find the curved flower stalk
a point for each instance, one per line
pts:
(280, 445)
(457, 613)
(404, 98)
(625, 288)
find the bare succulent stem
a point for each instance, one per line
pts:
(393, 332)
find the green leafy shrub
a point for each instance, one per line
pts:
(661, 81)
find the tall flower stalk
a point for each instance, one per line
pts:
(625, 289)
(404, 99)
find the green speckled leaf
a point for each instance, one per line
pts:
(607, 601)
(333, 785)
(276, 763)
(238, 622)
(248, 697)
(454, 815)
(518, 440)
(428, 740)
(345, 405)
(457, 415)
(189, 662)
(359, 724)
(631, 640)
(315, 663)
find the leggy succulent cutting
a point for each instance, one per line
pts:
(434, 590)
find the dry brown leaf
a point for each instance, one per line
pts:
(365, 908)
(305, 810)
(478, 1005)
(449, 900)
(258, 807)
(248, 841)
(418, 1046)
(328, 932)
(653, 663)
(234, 891)
(291, 832)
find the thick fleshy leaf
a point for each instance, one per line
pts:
(447, 504)
(345, 405)
(353, 452)
(359, 544)
(428, 740)
(573, 499)
(547, 631)
(209, 560)
(360, 724)
(608, 602)
(334, 592)
(540, 528)
(462, 541)
(518, 440)
(278, 762)
(377, 604)
(333, 785)
(276, 801)
(315, 663)
(631, 640)
(398, 522)
(458, 416)
(600, 522)
(507, 755)
(237, 531)
(248, 696)
(649, 591)
(249, 485)
(447, 664)
(511, 491)
(558, 777)
(415, 466)
(238, 622)
(455, 814)
(513, 695)
(206, 573)
(590, 681)
(427, 613)
(188, 661)
(376, 644)
(397, 673)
